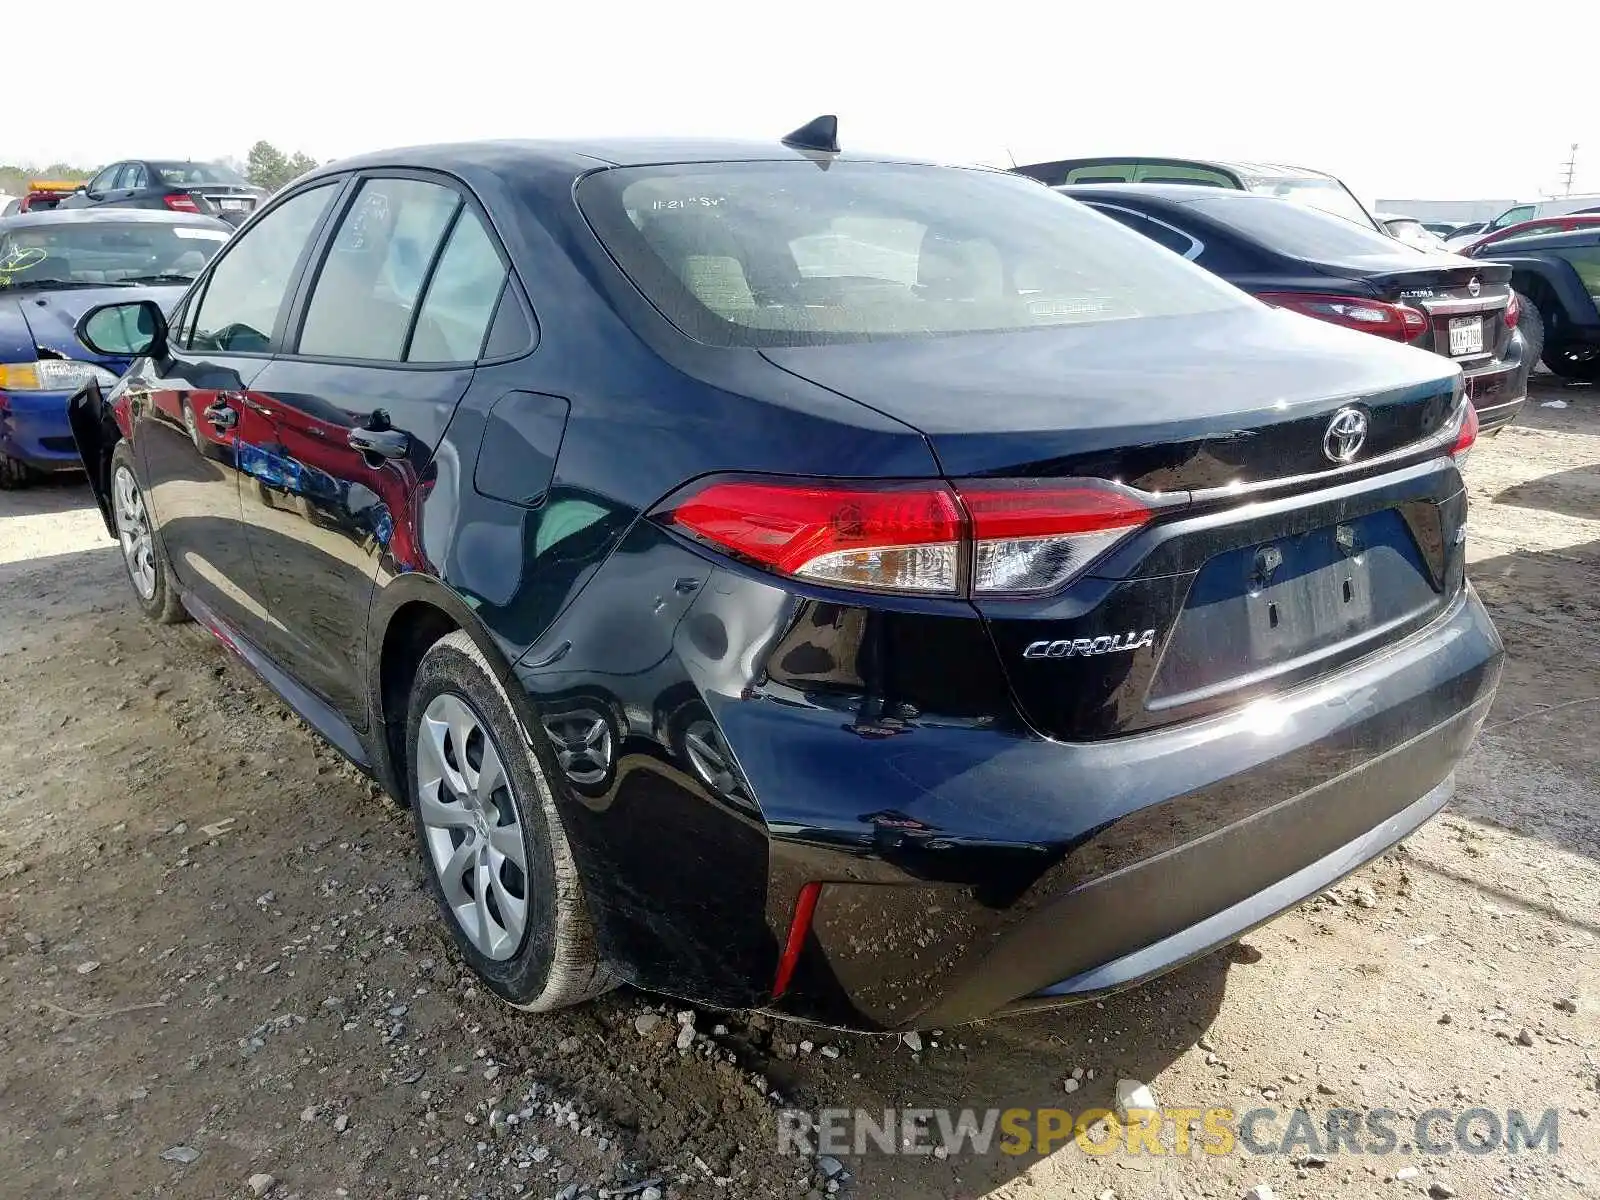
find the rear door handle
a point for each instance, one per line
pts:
(221, 416)
(385, 443)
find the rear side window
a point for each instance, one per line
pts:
(466, 286)
(1157, 231)
(1181, 173)
(246, 289)
(782, 254)
(371, 279)
(1104, 172)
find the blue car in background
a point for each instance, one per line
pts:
(54, 267)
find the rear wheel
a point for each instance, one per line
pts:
(14, 474)
(1572, 364)
(1530, 322)
(492, 843)
(143, 555)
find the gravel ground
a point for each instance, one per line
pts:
(220, 977)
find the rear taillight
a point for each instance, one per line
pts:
(985, 537)
(1033, 538)
(1466, 432)
(1513, 311)
(181, 202)
(1397, 322)
(902, 539)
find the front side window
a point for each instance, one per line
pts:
(103, 182)
(1512, 215)
(461, 297)
(370, 281)
(246, 290)
(784, 254)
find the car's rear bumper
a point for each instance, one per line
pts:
(963, 863)
(1155, 848)
(1499, 389)
(34, 429)
(1498, 394)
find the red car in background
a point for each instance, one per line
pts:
(1530, 229)
(42, 194)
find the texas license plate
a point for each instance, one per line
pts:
(238, 205)
(1466, 335)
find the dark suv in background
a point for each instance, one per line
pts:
(885, 593)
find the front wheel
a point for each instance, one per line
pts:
(143, 555)
(492, 844)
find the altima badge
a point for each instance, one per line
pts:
(1347, 433)
(1080, 647)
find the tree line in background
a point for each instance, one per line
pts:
(265, 166)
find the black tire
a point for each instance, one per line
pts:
(1530, 321)
(1567, 366)
(163, 605)
(14, 474)
(556, 962)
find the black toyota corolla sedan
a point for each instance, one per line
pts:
(882, 593)
(1336, 270)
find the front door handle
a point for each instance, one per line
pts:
(385, 443)
(221, 416)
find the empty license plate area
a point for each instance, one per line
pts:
(1265, 606)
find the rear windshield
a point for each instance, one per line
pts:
(1324, 195)
(191, 174)
(788, 254)
(1296, 231)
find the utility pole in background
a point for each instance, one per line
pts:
(1571, 167)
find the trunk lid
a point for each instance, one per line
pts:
(1465, 302)
(225, 197)
(1265, 562)
(1163, 404)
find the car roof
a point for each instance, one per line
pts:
(1168, 193)
(112, 216)
(581, 156)
(1237, 166)
(1545, 241)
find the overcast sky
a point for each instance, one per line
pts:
(1409, 99)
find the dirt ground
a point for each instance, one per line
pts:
(216, 960)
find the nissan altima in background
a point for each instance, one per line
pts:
(882, 593)
(1325, 267)
(53, 268)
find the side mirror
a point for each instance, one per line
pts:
(125, 330)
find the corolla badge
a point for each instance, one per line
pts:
(1347, 433)
(1082, 647)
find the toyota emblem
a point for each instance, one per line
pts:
(1474, 286)
(1347, 433)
